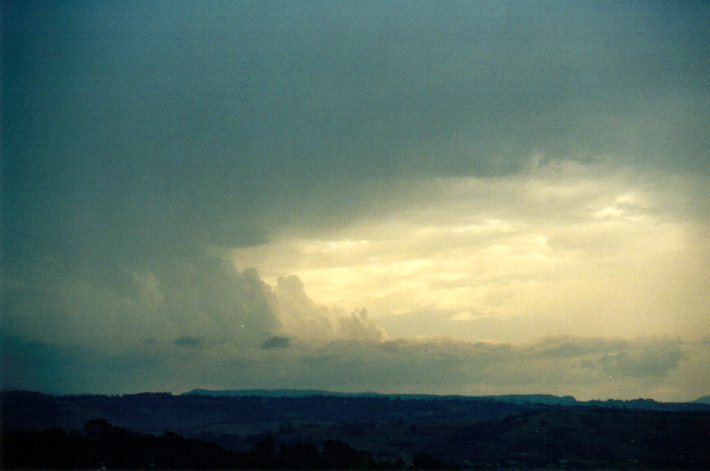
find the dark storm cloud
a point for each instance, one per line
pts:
(139, 128)
(196, 300)
(29, 365)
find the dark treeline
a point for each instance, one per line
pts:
(586, 438)
(593, 439)
(155, 412)
(102, 445)
(332, 432)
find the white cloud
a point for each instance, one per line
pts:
(314, 324)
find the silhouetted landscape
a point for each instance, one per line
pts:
(313, 429)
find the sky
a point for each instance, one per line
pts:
(415, 197)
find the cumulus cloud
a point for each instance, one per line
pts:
(307, 321)
(203, 302)
(358, 326)
(198, 298)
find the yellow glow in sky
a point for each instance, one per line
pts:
(569, 249)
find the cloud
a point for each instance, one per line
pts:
(479, 177)
(357, 326)
(661, 368)
(446, 366)
(188, 342)
(567, 347)
(204, 301)
(472, 259)
(307, 321)
(451, 94)
(652, 360)
(528, 249)
(200, 297)
(276, 342)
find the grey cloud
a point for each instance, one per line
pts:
(433, 365)
(442, 365)
(276, 342)
(30, 365)
(209, 295)
(102, 138)
(357, 326)
(575, 347)
(202, 302)
(189, 342)
(201, 298)
(640, 358)
(642, 361)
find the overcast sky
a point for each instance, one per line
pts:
(448, 197)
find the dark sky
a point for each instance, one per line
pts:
(516, 172)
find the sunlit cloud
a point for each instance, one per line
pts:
(587, 249)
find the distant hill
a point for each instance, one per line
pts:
(276, 393)
(247, 412)
(103, 446)
(521, 399)
(547, 399)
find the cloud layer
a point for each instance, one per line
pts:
(217, 327)
(489, 172)
(665, 369)
(170, 127)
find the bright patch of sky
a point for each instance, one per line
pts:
(573, 249)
